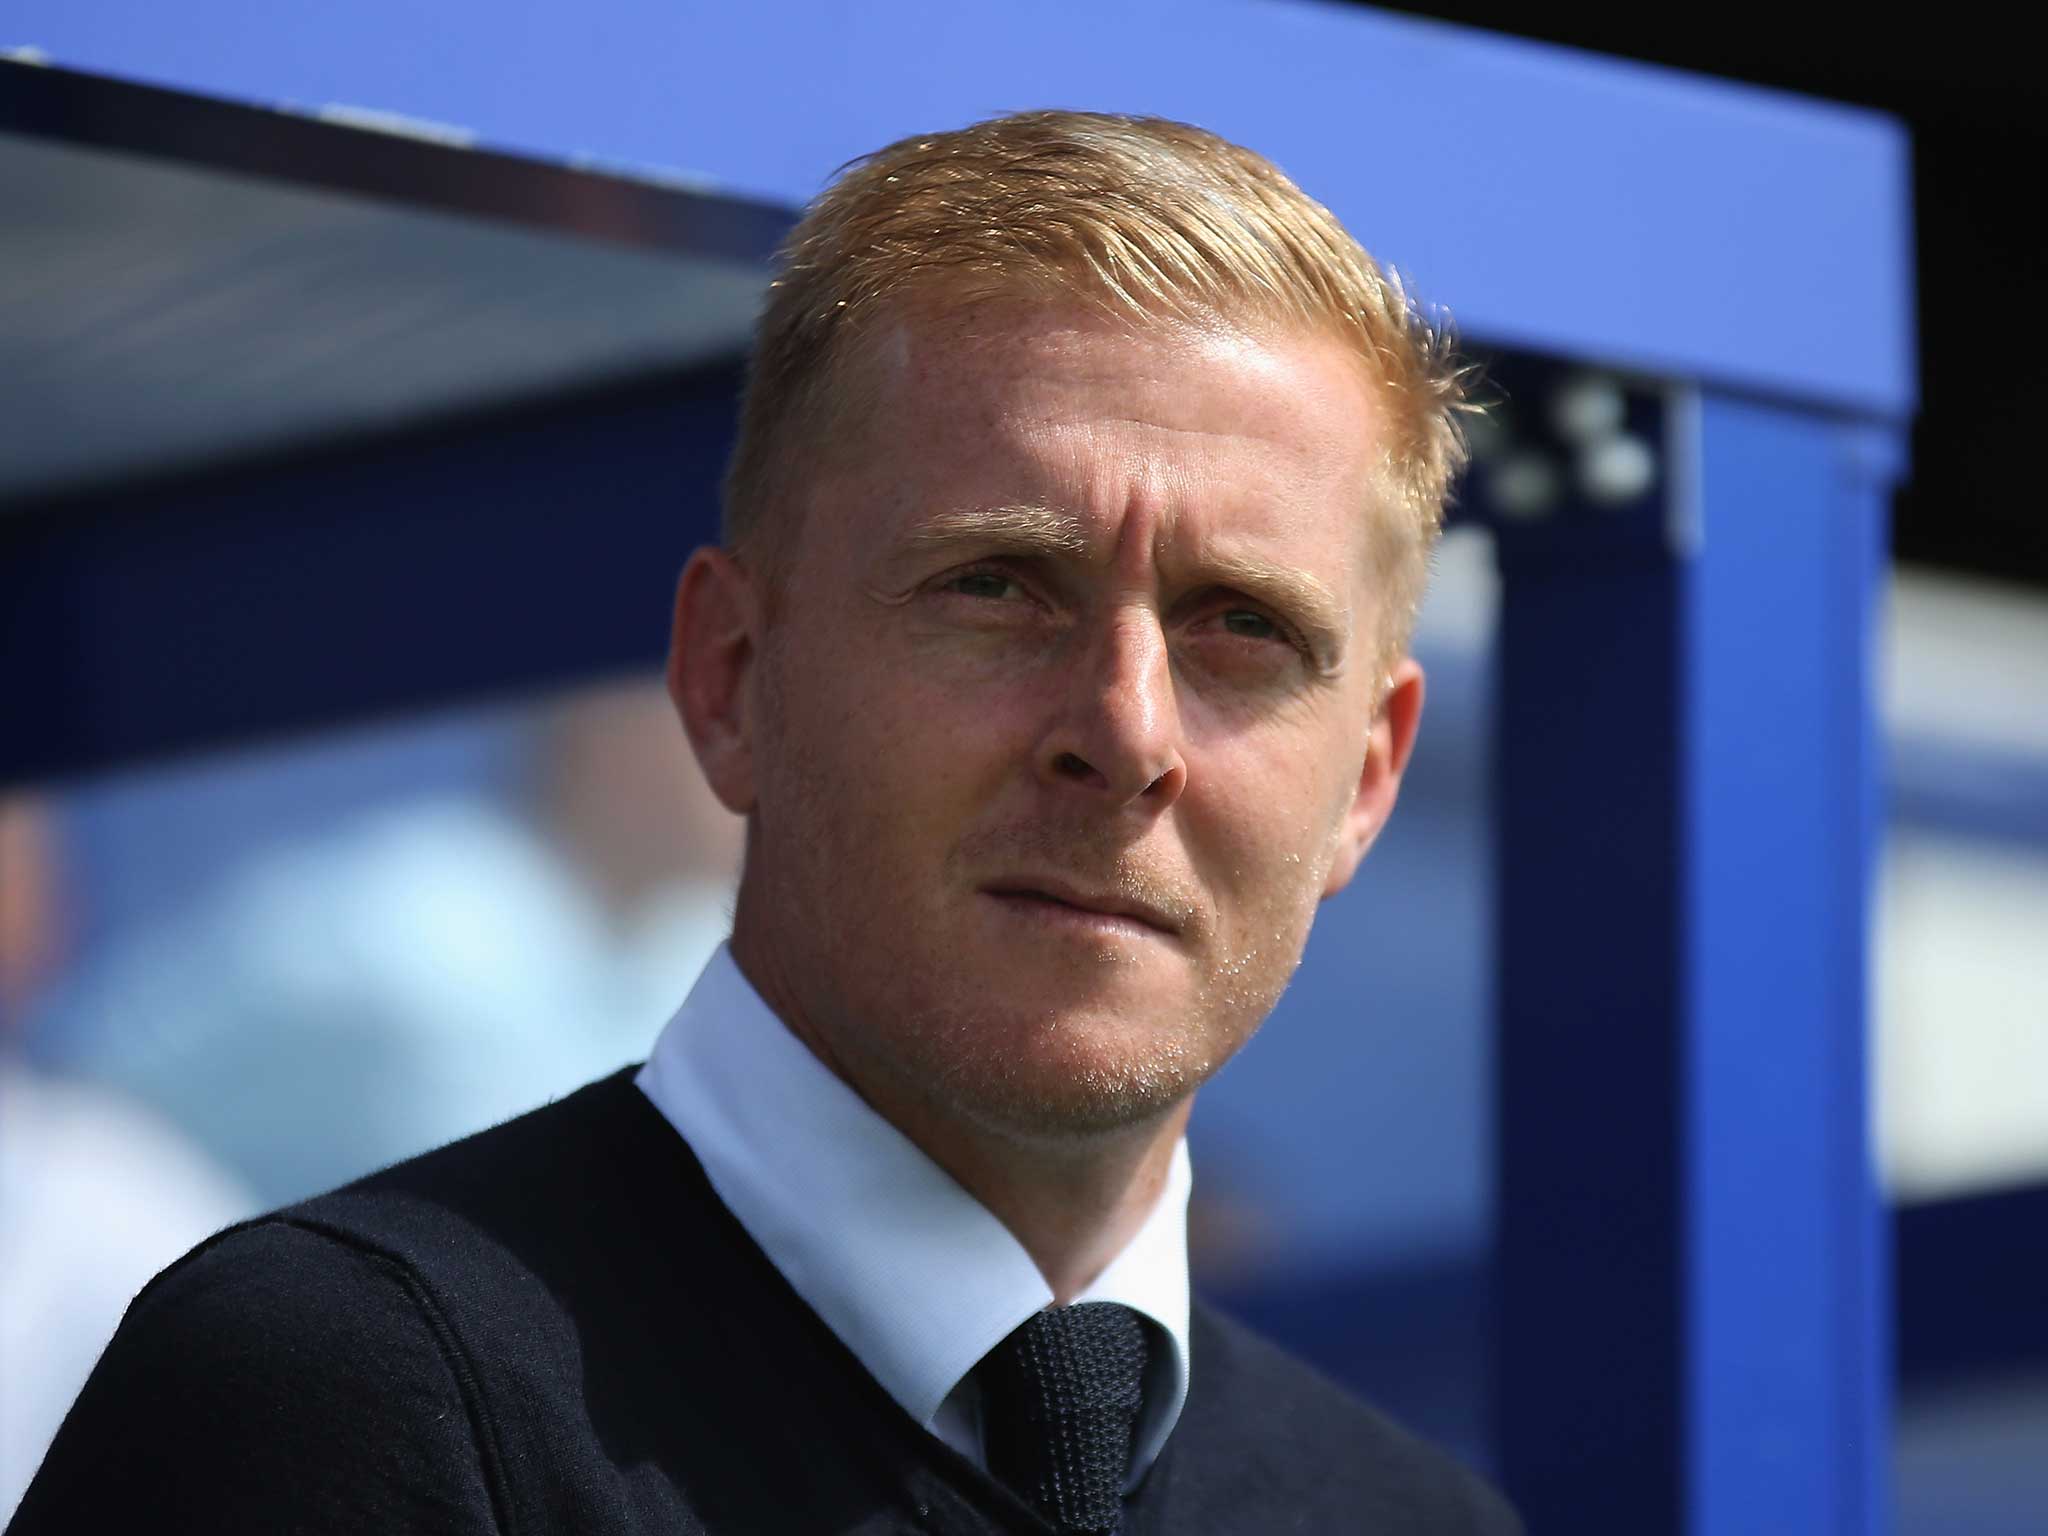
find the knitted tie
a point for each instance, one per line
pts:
(1060, 1399)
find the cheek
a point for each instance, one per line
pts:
(1273, 833)
(880, 760)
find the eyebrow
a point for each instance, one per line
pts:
(1028, 529)
(1025, 529)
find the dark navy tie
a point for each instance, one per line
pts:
(1060, 1401)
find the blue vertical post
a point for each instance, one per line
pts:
(1692, 1288)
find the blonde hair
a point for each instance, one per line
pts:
(1137, 218)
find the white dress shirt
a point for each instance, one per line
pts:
(912, 1273)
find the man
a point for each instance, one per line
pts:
(1056, 657)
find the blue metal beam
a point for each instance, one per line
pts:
(1692, 1283)
(94, 112)
(499, 557)
(1789, 1295)
(1560, 201)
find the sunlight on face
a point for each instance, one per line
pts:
(1063, 719)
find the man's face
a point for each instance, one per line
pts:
(1059, 729)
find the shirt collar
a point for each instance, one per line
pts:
(912, 1273)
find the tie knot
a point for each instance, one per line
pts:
(1060, 1404)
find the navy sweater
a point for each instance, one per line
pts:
(555, 1326)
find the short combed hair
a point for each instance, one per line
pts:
(1134, 217)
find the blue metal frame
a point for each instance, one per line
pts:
(1694, 1316)
(495, 557)
(1592, 1380)
(83, 109)
(1789, 1294)
(1692, 1285)
(174, 617)
(1564, 202)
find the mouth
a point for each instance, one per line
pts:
(1101, 912)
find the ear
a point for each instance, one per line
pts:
(713, 643)
(1379, 782)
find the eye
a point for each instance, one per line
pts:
(993, 586)
(1245, 639)
(1249, 624)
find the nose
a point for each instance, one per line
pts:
(1117, 732)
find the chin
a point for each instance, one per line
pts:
(1063, 1072)
(1066, 1110)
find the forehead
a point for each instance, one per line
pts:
(959, 404)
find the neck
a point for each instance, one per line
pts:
(1073, 1207)
(1073, 1201)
